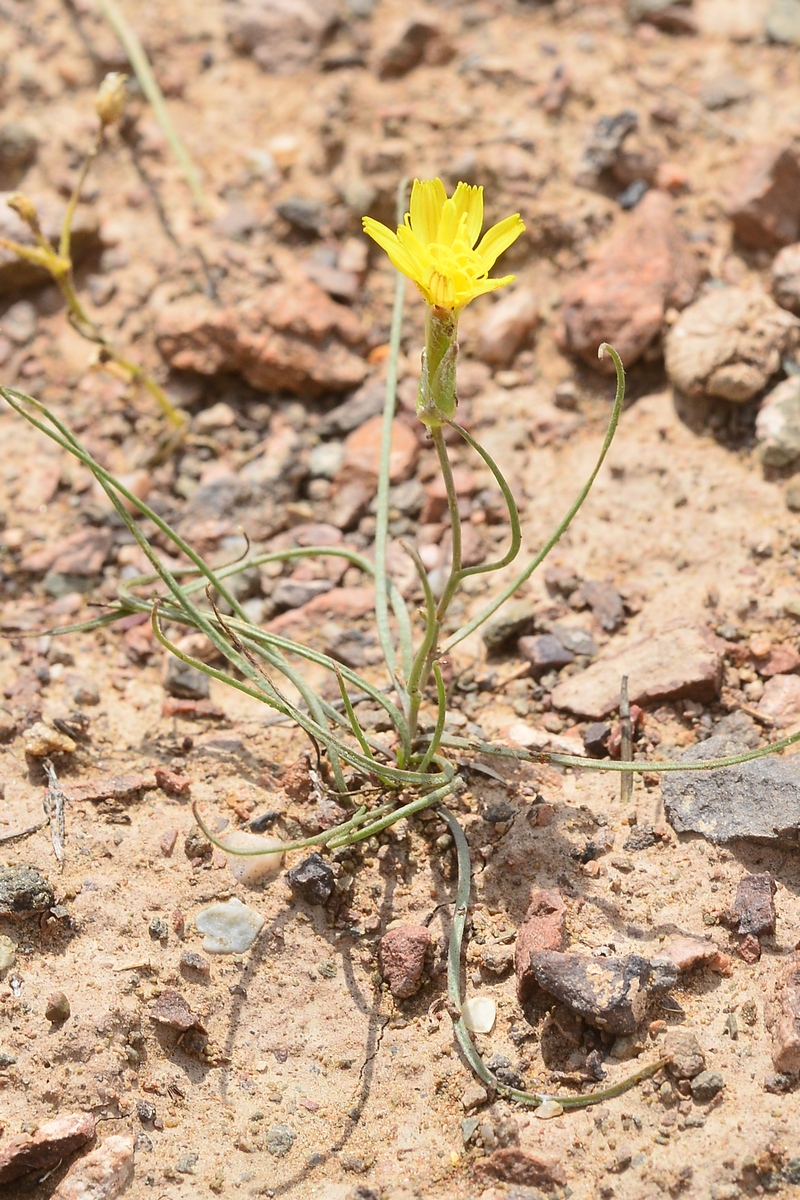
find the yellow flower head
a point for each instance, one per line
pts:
(436, 245)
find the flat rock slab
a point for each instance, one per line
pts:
(101, 1175)
(611, 994)
(292, 338)
(43, 1149)
(758, 800)
(678, 663)
(622, 296)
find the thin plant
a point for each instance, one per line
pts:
(380, 780)
(58, 261)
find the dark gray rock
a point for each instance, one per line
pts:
(544, 653)
(595, 738)
(706, 1085)
(185, 681)
(642, 837)
(758, 800)
(24, 892)
(605, 142)
(312, 880)
(304, 213)
(605, 603)
(279, 1140)
(512, 621)
(612, 994)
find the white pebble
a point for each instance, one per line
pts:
(8, 952)
(479, 1013)
(548, 1109)
(230, 927)
(252, 868)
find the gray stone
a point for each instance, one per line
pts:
(514, 620)
(778, 424)
(605, 603)
(757, 800)
(279, 1140)
(729, 344)
(18, 146)
(605, 143)
(611, 994)
(706, 1086)
(579, 641)
(281, 35)
(304, 213)
(185, 681)
(24, 892)
(544, 653)
(782, 23)
(685, 1052)
(19, 322)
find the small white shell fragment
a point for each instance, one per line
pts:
(479, 1013)
(252, 868)
(548, 1109)
(230, 927)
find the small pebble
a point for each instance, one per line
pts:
(192, 961)
(479, 1013)
(312, 880)
(263, 859)
(57, 1008)
(279, 1140)
(706, 1085)
(474, 1096)
(40, 741)
(230, 927)
(547, 1110)
(8, 952)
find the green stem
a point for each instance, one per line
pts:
(593, 764)
(532, 1099)
(506, 594)
(143, 71)
(511, 505)
(441, 714)
(421, 670)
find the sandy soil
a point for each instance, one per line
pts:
(308, 1054)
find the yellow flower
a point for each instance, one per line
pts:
(436, 245)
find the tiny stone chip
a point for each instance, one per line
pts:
(230, 927)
